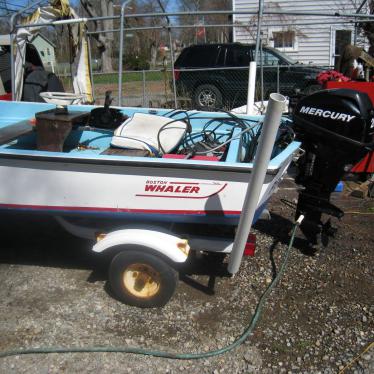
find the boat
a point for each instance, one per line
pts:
(89, 178)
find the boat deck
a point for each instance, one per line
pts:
(18, 137)
(17, 133)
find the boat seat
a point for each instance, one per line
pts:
(14, 130)
(155, 134)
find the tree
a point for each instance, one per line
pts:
(368, 29)
(204, 34)
(146, 43)
(103, 8)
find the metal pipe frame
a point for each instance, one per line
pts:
(160, 70)
(361, 6)
(164, 27)
(259, 21)
(193, 25)
(171, 55)
(120, 62)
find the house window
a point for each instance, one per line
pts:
(48, 52)
(342, 39)
(284, 40)
(42, 53)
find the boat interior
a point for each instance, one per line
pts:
(163, 134)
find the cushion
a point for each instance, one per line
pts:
(156, 134)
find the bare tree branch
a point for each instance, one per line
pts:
(104, 40)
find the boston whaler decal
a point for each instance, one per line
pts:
(326, 114)
(184, 190)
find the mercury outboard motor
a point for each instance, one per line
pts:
(336, 129)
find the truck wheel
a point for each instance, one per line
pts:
(207, 96)
(142, 279)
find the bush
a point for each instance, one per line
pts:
(135, 62)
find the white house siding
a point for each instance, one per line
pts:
(46, 51)
(315, 42)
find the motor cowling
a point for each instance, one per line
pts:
(341, 115)
(336, 129)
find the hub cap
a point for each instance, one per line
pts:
(141, 280)
(207, 98)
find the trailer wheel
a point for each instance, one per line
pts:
(142, 279)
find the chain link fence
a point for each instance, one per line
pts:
(221, 84)
(147, 88)
(154, 40)
(221, 88)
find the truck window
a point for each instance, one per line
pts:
(268, 58)
(238, 56)
(198, 57)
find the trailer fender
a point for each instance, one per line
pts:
(171, 246)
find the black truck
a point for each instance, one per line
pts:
(216, 75)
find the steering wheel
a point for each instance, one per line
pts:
(62, 98)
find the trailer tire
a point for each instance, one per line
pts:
(142, 279)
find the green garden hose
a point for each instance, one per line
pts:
(180, 356)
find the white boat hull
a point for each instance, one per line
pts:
(124, 191)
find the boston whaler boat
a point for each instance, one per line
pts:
(143, 171)
(146, 185)
(90, 176)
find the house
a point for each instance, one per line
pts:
(306, 39)
(46, 50)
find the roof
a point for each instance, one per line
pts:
(5, 39)
(43, 37)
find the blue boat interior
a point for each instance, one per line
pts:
(231, 138)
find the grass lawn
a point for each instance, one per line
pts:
(130, 77)
(134, 76)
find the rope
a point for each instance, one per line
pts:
(356, 358)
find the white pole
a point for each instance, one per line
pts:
(69, 21)
(251, 87)
(265, 147)
(253, 64)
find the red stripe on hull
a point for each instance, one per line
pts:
(118, 210)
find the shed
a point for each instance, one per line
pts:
(46, 50)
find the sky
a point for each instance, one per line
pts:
(18, 4)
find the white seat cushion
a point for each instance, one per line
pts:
(141, 132)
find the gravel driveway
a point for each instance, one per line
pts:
(318, 318)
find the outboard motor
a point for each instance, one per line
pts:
(336, 129)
